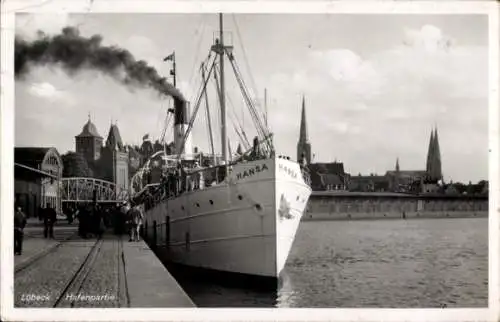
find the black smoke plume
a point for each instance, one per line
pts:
(75, 53)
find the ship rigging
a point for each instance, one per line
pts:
(232, 213)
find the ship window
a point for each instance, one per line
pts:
(258, 207)
(240, 197)
(211, 202)
(182, 207)
(197, 205)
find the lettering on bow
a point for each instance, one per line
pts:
(288, 171)
(252, 171)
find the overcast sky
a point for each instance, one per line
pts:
(374, 85)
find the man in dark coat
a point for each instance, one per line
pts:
(82, 221)
(41, 213)
(49, 221)
(19, 224)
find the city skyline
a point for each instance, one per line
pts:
(383, 93)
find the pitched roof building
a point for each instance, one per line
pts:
(36, 170)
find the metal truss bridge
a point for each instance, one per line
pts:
(82, 190)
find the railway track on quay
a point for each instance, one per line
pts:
(69, 295)
(44, 252)
(75, 273)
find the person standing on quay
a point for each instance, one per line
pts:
(49, 221)
(136, 218)
(41, 214)
(82, 221)
(19, 224)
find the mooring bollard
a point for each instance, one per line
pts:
(167, 231)
(154, 234)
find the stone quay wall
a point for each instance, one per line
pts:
(367, 205)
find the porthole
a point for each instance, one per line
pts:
(197, 205)
(258, 207)
(182, 207)
(211, 202)
(240, 197)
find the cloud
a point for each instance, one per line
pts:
(429, 38)
(45, 90)
(365, 106)
(426, 79)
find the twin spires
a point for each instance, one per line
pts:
(433, 166)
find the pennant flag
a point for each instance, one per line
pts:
(170, 57)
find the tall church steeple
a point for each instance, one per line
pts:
(429, 153)
(436, 155)
(397, 164)
(434, 171)
(303, 123)
(303, 146)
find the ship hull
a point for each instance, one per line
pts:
(245, 226)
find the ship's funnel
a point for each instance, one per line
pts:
(181, 124)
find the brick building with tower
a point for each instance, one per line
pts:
(110, 161)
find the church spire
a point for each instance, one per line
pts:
(429, 153)
(303, 123)
(436, 155)
(397, 164)
(303, 146)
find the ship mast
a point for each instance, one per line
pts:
(265, 106)
(222, 91)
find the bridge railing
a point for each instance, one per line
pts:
(84, 189)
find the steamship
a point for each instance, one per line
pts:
(229, 213)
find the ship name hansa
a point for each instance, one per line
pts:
(251, 172)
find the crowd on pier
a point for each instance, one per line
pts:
(95, 219)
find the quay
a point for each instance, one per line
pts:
(346, 205)
(110, 272)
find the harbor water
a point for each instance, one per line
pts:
(418, 263)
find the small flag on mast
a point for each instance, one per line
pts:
(170, 57)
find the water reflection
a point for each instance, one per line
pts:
(392, 263)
